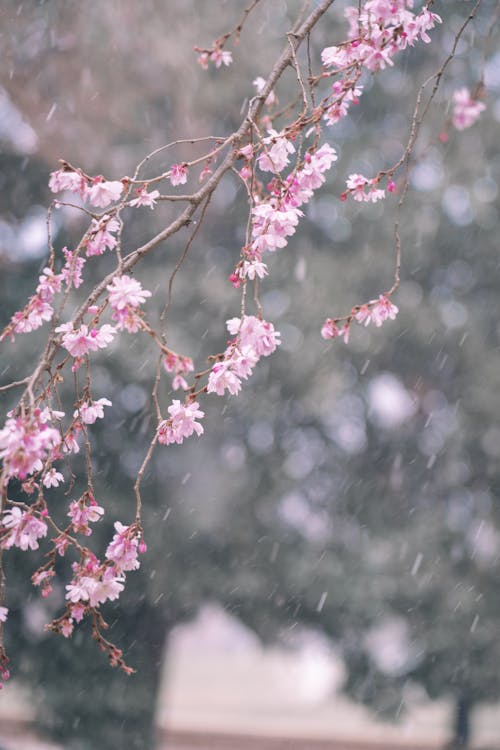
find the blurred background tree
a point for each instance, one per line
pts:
(354, 490)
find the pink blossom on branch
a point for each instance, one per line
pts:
(102, 193)
(182, 423)
(178, 174)
(125, 291)
(466, 110)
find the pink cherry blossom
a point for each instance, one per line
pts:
(23, 529)
(101, 235)
(67, 180)
(3, 614)
(67, 627)
(178, 174)
(25, 442)
(77, 611)
(466, 110)
(123, 548)
(102, 193)
(223, 378)
(331, 330)
(52, 478)
(90, 411)
(72, 269)
(257, 334)
(145, 199)
(377, 311)
(182, 423)
(221, 57)
(259, 84)
(125, 291)
(81, 513)
(275, 158)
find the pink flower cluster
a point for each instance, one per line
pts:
(178, 174)
(275, 158)
(39, 308)
(99, 192)
(218, 56)
(22, 529)
(254, 339)
(25, 443)
(276, 219)
(125, 296)
(466, 110)
(180, 366)
(82, 341)
(89, 411)
(101, 236)
(363, 189)
(375, 311)
(84, 511)
(181, 424)
(344, 93)
(72, 269)
(93, 584)
(378, 30)
(123, 548)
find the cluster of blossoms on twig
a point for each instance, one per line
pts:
(36, 437)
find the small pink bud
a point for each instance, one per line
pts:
(235, 280)
(391, 186)
(343, 197)
(142, 547)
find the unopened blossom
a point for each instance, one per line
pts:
(102, 192)
(90, 411)
(145, 199)
(182, 422)
(126, 291)
(466, 110)
(23, 528)
(178, 174)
